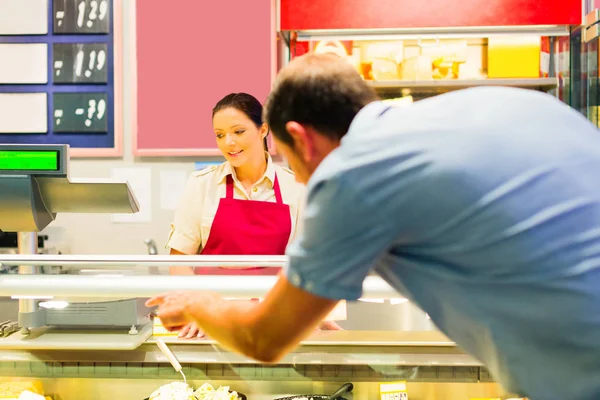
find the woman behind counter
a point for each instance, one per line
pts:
(246, 206)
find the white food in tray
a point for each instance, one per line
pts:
(173, 391)
(182, 391)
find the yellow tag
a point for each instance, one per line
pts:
(393, 391)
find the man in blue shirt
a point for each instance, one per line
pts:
(481, 205)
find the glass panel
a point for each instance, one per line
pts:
(592, 80)
(578, 87)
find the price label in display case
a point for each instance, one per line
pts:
(393, 391)
(81, 16)
(79, 63)
(80, 112)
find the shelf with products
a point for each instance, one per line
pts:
(422, 62)
(426, 66)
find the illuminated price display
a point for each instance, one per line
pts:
(79, 63)
(80, 112)
(81, 16)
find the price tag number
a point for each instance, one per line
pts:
(94, 110)
(95, 62)
(80, 63)
(87, 15)
(80, 112)
(80, 16)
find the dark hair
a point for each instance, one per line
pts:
(245, 103)
(320, 90)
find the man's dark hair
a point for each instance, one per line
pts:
(320, 90)
(245, 103)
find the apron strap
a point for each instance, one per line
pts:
(277, 191)
(229, 187)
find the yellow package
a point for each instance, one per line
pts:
(514, 57)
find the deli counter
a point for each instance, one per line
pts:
(102, 360)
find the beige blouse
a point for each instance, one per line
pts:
(198, 205)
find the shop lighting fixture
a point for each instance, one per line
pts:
(56, 305)
(31, 297)
(428, 33)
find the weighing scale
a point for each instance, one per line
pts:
(35, 187)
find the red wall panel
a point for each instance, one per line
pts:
(389, 14)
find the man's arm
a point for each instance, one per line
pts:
(342, 239)
(264, 331)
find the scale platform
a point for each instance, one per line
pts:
(52, 338)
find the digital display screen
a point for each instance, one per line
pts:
(30, 160)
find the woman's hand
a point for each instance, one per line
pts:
(330, 326)
(191, 331)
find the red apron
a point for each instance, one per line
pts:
(248, 227)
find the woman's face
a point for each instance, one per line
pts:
(238, 138)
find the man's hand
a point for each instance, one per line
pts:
(181, 308)
(264, 331)
(177, 309)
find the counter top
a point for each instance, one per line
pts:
(351, 338)
(325, 347)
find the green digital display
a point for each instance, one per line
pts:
(30, 160)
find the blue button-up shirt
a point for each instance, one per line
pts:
(483, 207)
